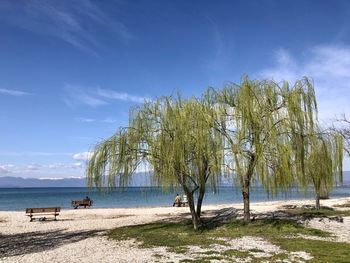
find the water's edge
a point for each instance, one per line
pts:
(17, 199)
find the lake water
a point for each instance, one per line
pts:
(16, 199)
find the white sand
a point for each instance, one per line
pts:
(78, 235)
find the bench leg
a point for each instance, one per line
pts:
(31, 218)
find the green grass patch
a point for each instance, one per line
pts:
(270, 228)
(347, 204)
(322, 251)
(178, 236)
(172, 235)
(312, 213)
(179, 250)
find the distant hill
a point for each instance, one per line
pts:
(19, 182)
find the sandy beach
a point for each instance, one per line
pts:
(79, 235)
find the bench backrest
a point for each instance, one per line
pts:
(43, 210)
(82, 202)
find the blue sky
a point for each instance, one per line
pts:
(70, 70)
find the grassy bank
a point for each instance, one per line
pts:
(219, 242)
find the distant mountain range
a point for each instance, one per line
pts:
(19, 182)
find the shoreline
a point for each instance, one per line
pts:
(209, 205)
(85, 230)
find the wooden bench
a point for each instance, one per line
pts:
(84, 203)
(50, 211)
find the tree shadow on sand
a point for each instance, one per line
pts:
(215, 218)
(33, 242)
(209, 219)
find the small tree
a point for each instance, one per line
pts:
(323, 162)
(176, 140)
(260, 121)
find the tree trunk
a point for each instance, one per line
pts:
(195, 218)
(246, 184)
(318, 206)
(246, 202)
(200, 201)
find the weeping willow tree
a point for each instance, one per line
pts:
(261, 123)
(344, 130)
(323, 162)
(174, 137)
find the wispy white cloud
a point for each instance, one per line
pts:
(74, 22)
(36, 168)
(6, 168)
(112, 94)
(83, 156)
(33, 167)
(77, 95)
(220, 56)
(109, 120)
(56, 166)
(328, 66)
(12, 92)
(85, 120)
(76, 165)
(91, 120)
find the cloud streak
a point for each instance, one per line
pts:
(94, 97)
(83, 156)
(12, 92)
(76, 95)
(74, 22)
(111, 94)
(6, 168)
(56, 166)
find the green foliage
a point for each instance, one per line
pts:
(344, 131)
(323, 166)
(264, 125)
(172, 135)
(254, 131)
(260, 121)
(174, 138)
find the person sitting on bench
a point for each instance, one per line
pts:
(177, 201)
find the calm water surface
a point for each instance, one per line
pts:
(14, 199)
